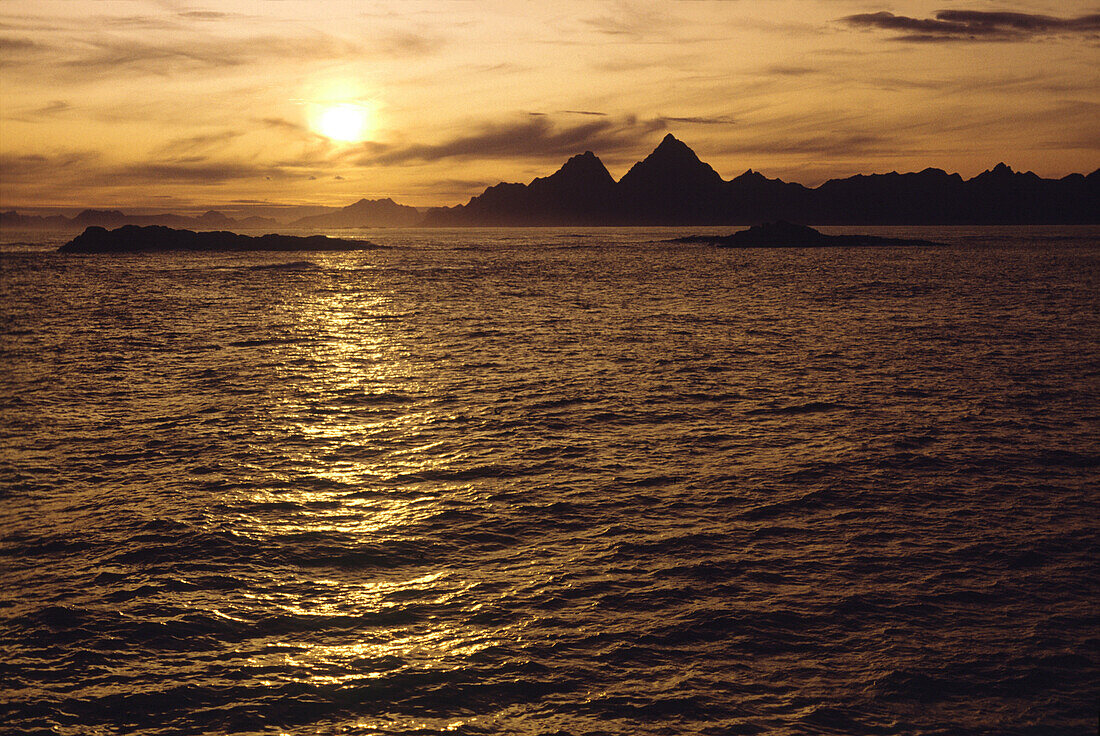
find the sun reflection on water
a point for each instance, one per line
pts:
(352, 430)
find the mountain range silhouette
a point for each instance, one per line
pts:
(672, 186)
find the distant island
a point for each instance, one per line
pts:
(156, 238)
(785, 235)
(672, 187)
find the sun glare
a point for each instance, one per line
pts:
(344, 122)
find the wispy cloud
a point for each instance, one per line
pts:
(975, 25)
(114, 56)
(36, 166)
(821, 145)
(783, 70)
(89, 168)
(534, 137)
(206, 15)
(286, 125)
(702, 120)
(194, 172)
(49, 110)
(125, 46)
(201, 142)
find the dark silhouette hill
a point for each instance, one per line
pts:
(365, 213)
(785, 235)
(672, 186)
(752, 197)
(156, 238)
(581, 192)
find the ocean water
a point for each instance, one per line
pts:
(553, 482)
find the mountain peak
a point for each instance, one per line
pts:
(750, 175)
(670, 144)
(585, 166)
(1000, 171)
(672, 164)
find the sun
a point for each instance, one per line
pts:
(345, 122)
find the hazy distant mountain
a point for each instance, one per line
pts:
(115, 218)
(365, 213)
(16, 221)
(672, 186)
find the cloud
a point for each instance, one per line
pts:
(20, 51)
(10, 43)
(975, 25)
(129, 45)
(89, 168)
(823, 145)
(116, 56)
(535, 137)
(54, 107)
(629, 19)
(694, 120)
(193, 172)
(39, 167)
(410, 44)
(637, 21)
(204, 141)
(781, 70)
(284, 124)
(50, 109)
(206, 15)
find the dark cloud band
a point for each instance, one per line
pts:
(535, 137)
(975, 25)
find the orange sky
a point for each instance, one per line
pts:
(174, 105)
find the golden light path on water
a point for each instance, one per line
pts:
(357, 502)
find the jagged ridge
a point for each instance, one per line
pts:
(672, 186)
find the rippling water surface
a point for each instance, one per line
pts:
(553, 482)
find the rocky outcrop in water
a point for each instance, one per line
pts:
(787, 235)
(157, 239)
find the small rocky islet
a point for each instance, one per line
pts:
(788, 235)
(159, 239)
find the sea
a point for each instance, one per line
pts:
(553, 481)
